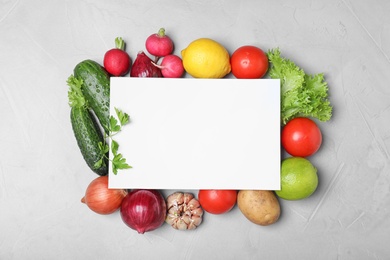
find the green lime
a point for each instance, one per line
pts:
(299, 179)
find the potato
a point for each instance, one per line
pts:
(259, 206)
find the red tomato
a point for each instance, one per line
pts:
(301, 137)
(249, 62)
(217, 201)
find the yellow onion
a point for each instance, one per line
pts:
(102, 200)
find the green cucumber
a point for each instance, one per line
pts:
(89, 137)
(96, 89)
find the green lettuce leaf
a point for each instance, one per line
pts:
(301, 94)
(75, 95)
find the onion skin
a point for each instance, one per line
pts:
(143, 210)
(143, 67)
(102, 200)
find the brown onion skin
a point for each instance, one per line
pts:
(102, 200)
(143, 210)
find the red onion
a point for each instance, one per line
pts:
(143, 210)
(102, 200)
(143, 67)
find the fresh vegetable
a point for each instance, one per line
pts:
(171, 66)
(249, 62)
(217, 201)
(75, 94)
(92, 143)
(302, 95)
(116, 61)
(184, 211)
(88, 137)
(118, 162)
(102, 200)
(159, 44)
(85, 128)
(95, 88)
(143, 67)
(259, 206)
(298, 179)
(143, 210)
(301, 137)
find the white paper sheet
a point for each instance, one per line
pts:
(198, 133)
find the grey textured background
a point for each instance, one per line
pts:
(43, 176)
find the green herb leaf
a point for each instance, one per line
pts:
(114, 147)
(103, 148)
(119, 163)
(114, 126)
(123, 117)
(99, 163)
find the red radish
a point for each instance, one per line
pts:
(143, 67)
(159, 44)
(171, 66)
(116, 61)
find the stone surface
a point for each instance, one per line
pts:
(43, 176)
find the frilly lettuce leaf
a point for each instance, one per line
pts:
(75, 95)
(301, 94)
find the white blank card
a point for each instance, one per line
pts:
(198, 133)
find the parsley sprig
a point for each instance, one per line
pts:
(118, 161)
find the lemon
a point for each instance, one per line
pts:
(206, 58)
(299, 179)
